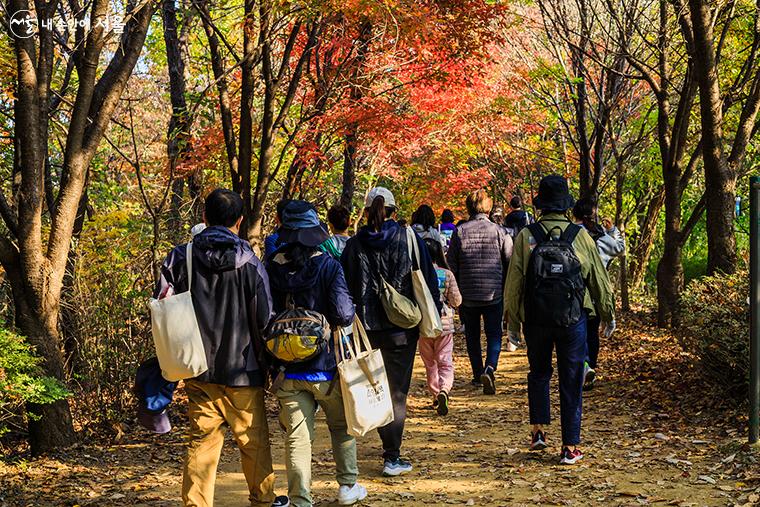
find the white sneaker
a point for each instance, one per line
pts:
(349, 495)
(511, 347)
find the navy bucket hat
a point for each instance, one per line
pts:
(300, 224)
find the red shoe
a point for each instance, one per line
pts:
(538, 441)
(569, 457)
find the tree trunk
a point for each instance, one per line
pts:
(351, 138)
(669, 284)
(349, 169)
(225, 108)
(178, 131)
(641, 252)
(719, 175)
(50, 426)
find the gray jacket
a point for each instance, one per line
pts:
(610, 245)
(479, 257)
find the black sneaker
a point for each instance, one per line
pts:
(281, 501)
(443, 403)
(538, 441)
(476, 383)
(487, 379)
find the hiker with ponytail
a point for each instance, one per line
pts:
(378, 254)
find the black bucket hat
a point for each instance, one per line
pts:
(553, 194)
(300, 224)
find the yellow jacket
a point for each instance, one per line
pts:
(599, 298)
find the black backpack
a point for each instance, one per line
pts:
(554, 285)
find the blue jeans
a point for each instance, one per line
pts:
(592, 341)
(492, 324)
(571, 351)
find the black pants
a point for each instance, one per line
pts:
(399, 362)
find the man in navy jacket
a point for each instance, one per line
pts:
(232, 304)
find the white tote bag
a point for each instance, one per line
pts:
(179, 346)
(363, 383)
(430, 325)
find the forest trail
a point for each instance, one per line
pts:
(642, 447)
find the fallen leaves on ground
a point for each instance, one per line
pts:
(654, 433)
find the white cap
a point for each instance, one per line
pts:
(386, 194)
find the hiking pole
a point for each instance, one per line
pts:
(754, 328)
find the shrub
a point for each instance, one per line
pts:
(21, 380)
(715, 327)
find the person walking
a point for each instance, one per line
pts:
(437, 352)
(230, 291)
(479, 257)
(339, 219)
(610, 243)
(517, 218)
(423, 223)
(447, 227)
(556, 278)
(302, 276)
(380, 253)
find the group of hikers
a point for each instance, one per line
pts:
(546, 278)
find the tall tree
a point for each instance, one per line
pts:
(40, 223)
(723, 157)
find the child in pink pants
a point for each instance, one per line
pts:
(437, 353)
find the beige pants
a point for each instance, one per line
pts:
(298, 404)
(210, 407)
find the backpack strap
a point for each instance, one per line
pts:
(189, 261)
(538, 232)
(570, 233)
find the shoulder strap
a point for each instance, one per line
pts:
(189, 260)
(538, 232)
(570, 233)
(412, 246)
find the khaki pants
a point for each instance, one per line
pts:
(210, 407)
(298, 404)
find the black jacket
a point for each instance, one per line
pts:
(370, 254)
(231, 300)
(320, 286)
(479, 257)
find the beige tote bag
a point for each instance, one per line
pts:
(363, 383)
(179, 346)
(430, 325)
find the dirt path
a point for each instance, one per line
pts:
(646, 442)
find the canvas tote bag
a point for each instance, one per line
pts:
(363, 383)
(179, 346)
(430, 324)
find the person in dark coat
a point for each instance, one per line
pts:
(518, 218)
(313, 280)
(230, 293)
(380, 249)
(479, 258)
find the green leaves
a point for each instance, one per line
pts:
(21, 379)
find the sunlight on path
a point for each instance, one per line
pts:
(477, 455)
